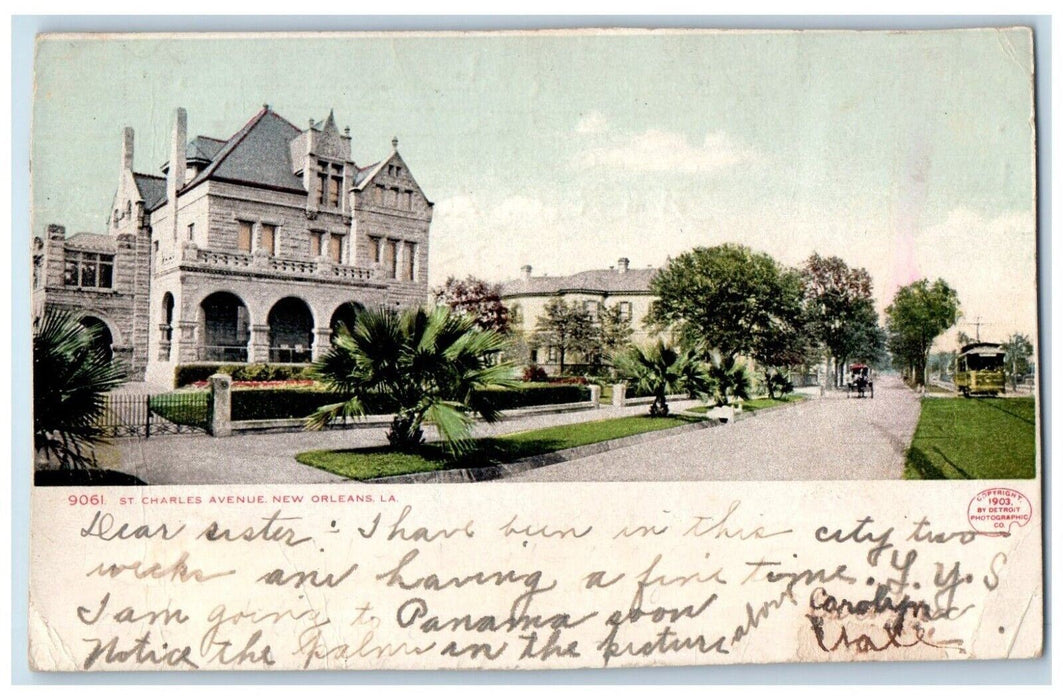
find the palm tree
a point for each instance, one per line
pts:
(728, 379)
(658, 369)
(428, 364)
(71, 375)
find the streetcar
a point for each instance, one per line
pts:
(860, 382)
(980, 369)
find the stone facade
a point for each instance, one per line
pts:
(527, 296)
(247, 249)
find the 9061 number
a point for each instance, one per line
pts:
(85, 499)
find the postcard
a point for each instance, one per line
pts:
(534, 350)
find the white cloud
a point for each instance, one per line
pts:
(655, 150)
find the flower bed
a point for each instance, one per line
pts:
(271, 384)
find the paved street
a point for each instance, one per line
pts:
(270, 458)
(824, 438)
(829, 438)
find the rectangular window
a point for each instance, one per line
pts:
(408, 201)
(625, 311)
(391, 250)
(191, 232)
(268, 238)
(374, 249)
(591, 307)
(243, 236)
(89, 270)
(411, 259)
(70, 273)
(106, 280)
(335, 247)
(336, 185)
(380, 195)
(322, 181)
(315, 244)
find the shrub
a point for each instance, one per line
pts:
(256, 372)
(534, 373)
(268, 404)
(536, 395)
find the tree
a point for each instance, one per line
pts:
(1017, 352)
(71, 375)
(657, 369)
(614, 335)
(478, 299)
(920, 312)
(569, 328)
(841, 311)
(734, 299)
(784, 342)
(430, 364)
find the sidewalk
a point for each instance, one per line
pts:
(270, 458)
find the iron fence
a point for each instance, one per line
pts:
(145, 415)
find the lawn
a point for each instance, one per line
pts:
(754, 405)
(982, 438)
(370, 463)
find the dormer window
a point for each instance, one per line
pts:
(330, 183)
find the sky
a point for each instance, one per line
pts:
(907, 153)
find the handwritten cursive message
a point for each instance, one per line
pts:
(492, 576)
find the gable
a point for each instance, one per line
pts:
(388, 173)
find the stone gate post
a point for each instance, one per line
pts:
(221, 405)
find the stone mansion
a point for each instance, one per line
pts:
(247, 249)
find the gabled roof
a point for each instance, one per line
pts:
(258, 154)
(203, 148)
(95, 242)
(367, 173)
(633, 281)
(152, 190)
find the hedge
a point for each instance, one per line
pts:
(267, 404)
(537, 395)
(184, 375)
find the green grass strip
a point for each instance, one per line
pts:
(978, 438)
(754, 405)
(375, 462)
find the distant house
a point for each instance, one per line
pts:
(249, 248)
(527, 296)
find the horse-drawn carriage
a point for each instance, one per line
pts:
(860, 382)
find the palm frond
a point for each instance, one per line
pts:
(453, 424)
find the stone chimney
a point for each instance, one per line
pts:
(127, 149)
(621, 265)
(526, 269)
(175, 179)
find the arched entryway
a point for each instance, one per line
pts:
(345, 315)
(103, 339)
(291, 331)
(224, 328)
